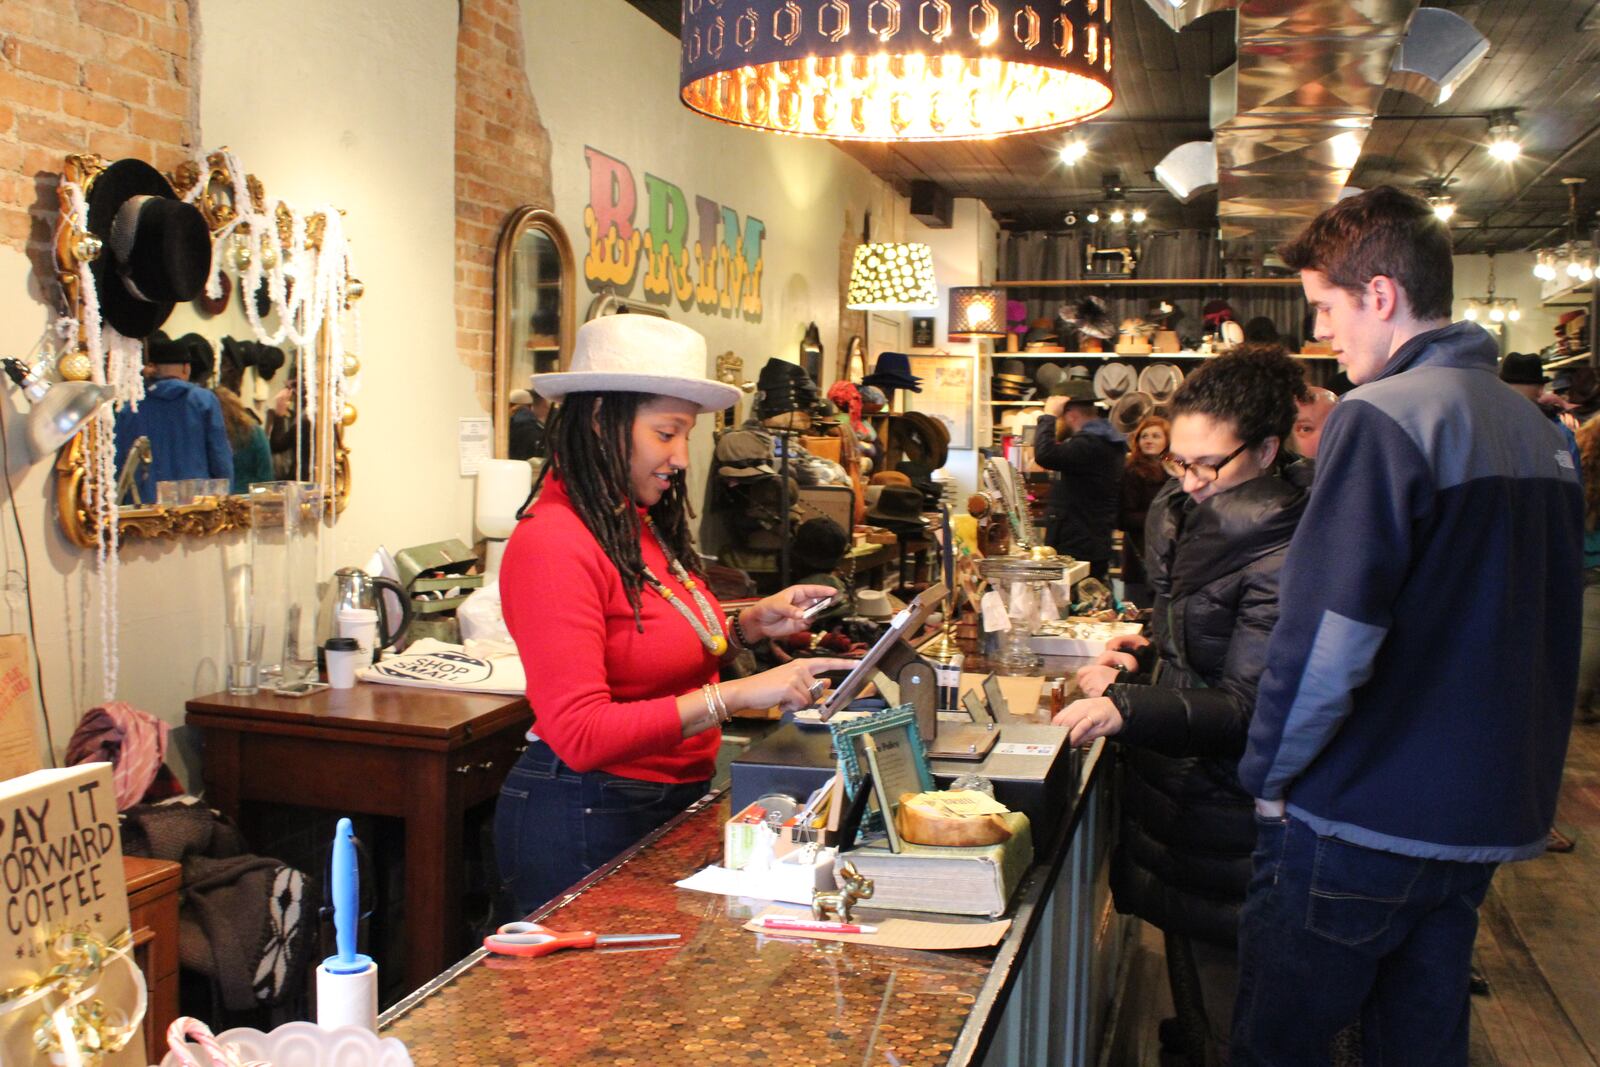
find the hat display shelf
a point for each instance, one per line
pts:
(300, 259)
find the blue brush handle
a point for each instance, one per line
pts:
(346, 903)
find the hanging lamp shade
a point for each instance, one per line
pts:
(892, 277)
(977, 311)
(897, 70)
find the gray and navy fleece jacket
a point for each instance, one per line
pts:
(1419, 685)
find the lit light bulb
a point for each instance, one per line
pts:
(1073, 152)
(1471, 314)
(1444, 210)
(1117, 215)
(1515, 314)
(1093, 216)
(1139, 214)
(1505, 148)
(1496, 315)
(1586, 274)
(1574, 269)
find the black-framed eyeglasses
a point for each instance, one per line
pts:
(1205, 472)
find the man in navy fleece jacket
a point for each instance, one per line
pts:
(1412, 721)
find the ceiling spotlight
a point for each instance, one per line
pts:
(1093, 216)
(1117, 215)
(1139, 214)
(1503, 143)
(1071, 219)
(1073, 152)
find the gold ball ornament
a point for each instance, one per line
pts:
(348, 416)
(75, 366)
(269, 255)
(353, 290)
(87, 248)
(352, 365)
(241, 258)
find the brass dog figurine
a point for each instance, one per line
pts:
(837, 905)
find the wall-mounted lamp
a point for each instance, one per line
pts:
(976, 311)
(892, 277)
(58, 409)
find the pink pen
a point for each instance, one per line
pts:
(815, 926)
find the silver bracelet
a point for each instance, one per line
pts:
(711, 708)
(722, 706)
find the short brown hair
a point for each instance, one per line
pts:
(1382, 231)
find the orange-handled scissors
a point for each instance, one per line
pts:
(531, 939)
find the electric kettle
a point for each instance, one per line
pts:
(355, 588)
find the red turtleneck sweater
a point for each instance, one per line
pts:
(603, 694)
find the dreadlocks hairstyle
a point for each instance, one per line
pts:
(590, 439)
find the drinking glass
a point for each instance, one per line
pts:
(244, 657)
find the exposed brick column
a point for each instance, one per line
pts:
(108, 76)
(502, 162)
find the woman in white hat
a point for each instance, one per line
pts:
(620, 636)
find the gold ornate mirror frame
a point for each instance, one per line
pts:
(520, 223)
(205, 516)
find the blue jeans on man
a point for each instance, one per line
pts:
(1335, 932)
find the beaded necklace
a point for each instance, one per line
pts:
(707, 626)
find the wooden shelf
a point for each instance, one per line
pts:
(1159, 357)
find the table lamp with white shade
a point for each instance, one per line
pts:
(503, 486)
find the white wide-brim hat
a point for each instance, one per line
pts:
(639, 354)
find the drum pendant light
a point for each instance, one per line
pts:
(897, 70)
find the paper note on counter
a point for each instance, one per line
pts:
(895, 933)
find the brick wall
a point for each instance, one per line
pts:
(107, 76)
(502, 162)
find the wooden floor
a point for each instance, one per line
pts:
(1538, 946)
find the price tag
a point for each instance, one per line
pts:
(994, 613)
(1006, 748)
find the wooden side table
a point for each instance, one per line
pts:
(153, 918)
(422, 755)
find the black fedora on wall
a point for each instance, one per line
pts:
(156, 249)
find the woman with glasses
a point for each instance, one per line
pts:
(1179, 701)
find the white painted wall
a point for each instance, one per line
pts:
(963, 254)
(606, 76)
(352, 105)
(1513, 278)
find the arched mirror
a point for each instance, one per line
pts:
(533, 323)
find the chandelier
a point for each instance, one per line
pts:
(1491, 310)
(1573, 261)
(897, 70)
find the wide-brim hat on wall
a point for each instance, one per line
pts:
(156, 248)
(1114, 379)
(893, 371)
(876, 604)
(898, 507)
(639, 354)
(1160, 380)
(1130, 410)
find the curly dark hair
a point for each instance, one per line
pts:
(1253, 386)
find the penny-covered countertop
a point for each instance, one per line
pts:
(721, 994)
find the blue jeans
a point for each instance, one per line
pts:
(1332, 932)
(553, 825)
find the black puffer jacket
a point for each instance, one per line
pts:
(1183, 859)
